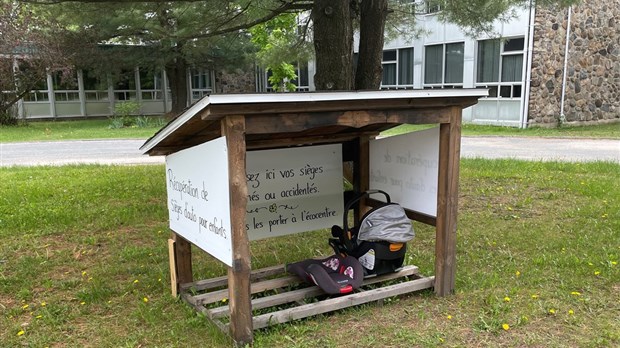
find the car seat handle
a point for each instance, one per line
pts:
(356, 199)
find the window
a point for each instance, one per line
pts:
(405, 66)
(454, 63)
(92, 82)
(488, 61)
(94, 86)
(64, 81)
(36, 82)
(397, 68)
(302, 81)
(500, 67)
(443, 65)
(431, 6)
(125, 85)
(389, 68)
(150, 85)
(433, 70)
(201, 83)
(201, 79)
(65, 86)
(126, 80)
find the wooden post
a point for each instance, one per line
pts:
(182, 262)
(233, 127)
(447, 203)
(174, 285)
(361, 173)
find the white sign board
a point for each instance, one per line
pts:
(198, 197)
(406, 167)
(293, 190)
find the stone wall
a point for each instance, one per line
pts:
(238, 81)
(593, 81)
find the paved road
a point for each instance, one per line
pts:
(126, 151)
(546, 149)
(70, 152)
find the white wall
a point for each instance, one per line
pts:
(490, 110)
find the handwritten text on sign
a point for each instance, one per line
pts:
(293, 190)
(198, 197)
(406, 167)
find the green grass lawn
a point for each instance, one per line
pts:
(84, 263)
(75, 130)
(99, 129)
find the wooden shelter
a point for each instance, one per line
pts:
(266, 121)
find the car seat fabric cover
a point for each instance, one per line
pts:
(388, 223)
(334, 275)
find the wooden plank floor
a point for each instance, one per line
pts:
(272, 288)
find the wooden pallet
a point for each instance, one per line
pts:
(272, 287)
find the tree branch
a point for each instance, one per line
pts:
(295, 4)
(286, 6)
(54, 2)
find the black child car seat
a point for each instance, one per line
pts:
(379, 242)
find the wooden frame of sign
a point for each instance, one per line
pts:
(268, 121)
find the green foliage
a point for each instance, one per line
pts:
(124, 113)
(127, 108)
(9, 118)
(161, 34)
(30, 47)
(281, 77)
(279, 43)
(149, 122)
(117, 122)
(142, 121)
(477, 16)
(76, 129)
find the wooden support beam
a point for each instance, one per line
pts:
(181, 260)
(174, 284)
(303, 121)
(207, 284)
(218, 295)
(447, 203)
(309, 140)
(361, 176)
(233, 127)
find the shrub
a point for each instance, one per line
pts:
(9, 117)
(127, 108)
(123, 114)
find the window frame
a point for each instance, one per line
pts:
(203, 75)
(443, 83)
(398, 64)
(431, 7)
(499, 89)
(389, 62)
(61, 91)
(156, 92)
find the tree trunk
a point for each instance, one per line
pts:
(176, 71)
(369, 71)
(333, 44)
